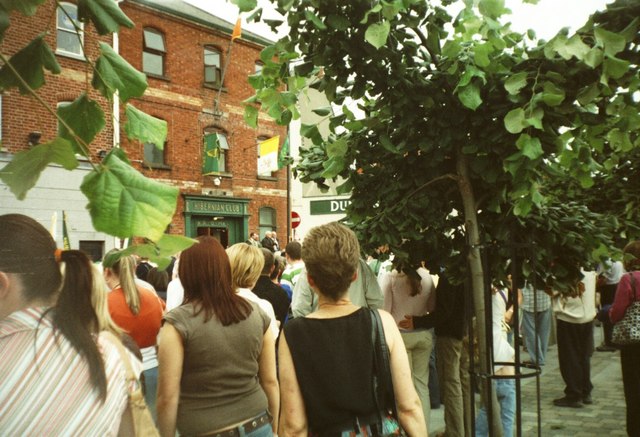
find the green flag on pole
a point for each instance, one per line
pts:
(66, 245)
(210, 161)
(283, 157)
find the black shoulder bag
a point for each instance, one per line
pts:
(382, 383)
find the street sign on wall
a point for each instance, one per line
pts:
(329, 206)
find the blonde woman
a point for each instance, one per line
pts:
(138, 312)
(326, 358)
(246, 265)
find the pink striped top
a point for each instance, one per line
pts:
(45, 387)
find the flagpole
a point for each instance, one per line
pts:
(216, 102)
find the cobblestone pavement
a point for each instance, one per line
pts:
(605, 417)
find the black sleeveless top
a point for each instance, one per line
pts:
(333, 359)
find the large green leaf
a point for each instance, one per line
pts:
(124, 203)
(573, 47)
(251, 116)
(552, 95)
(516, 82)
(491, 8)
(85, 117)
(245, 5)
(145, 128)
(333, 167)
(530, 147)
(338, 22)
(26, 7)
(614, 68)
(158, 252)
(515, 121)
(113, 73)
(29, 63)
(106, 15)
(315, 20)
(22, 173)
(612, 42)
(470, 96)
(377, 34)
(337, 148)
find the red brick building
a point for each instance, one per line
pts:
(183, 50)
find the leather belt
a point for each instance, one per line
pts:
(249, 426)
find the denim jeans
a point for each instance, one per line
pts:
(151, 388)
(506, 393)
(540, 320)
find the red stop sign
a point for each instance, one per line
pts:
(295, 219)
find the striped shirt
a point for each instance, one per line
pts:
(45, 386)
(291, 272)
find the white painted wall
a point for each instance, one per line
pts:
(56, 190)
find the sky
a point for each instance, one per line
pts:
(546, 18)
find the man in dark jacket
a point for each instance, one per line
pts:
(267, 290)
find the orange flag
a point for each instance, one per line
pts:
(237, 30)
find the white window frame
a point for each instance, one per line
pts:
(79, 34)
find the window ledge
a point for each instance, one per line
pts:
(219, 174)
(215, 86)
(155, 166)
(156, 76)
(76, 56)
(267, 178)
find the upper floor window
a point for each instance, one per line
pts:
(154, 156)
(154, 52)
(212, 66)
(69, 30)
(216, 148)
(258, 67)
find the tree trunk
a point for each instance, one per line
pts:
(477, 285)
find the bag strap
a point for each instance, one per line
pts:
(382, 382)
(131, 376)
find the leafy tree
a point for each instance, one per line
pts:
(122, 202)
(468, 130)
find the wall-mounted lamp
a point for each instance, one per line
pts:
(34, 138)
(102, 154)
(216, 181)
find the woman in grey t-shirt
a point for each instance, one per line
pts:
(216, 353)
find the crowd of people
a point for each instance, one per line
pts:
(255, 340)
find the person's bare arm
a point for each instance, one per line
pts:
(268, 377)
(410, 412)
(294, 417)
(170, 362)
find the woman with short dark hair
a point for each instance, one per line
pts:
(217, 354)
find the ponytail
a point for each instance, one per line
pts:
(125, 268)
(415, 281)
(75, 316)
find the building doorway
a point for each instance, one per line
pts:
(220, 234)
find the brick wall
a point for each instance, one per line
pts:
(22, 114)
(180, 99)
(187, 105)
